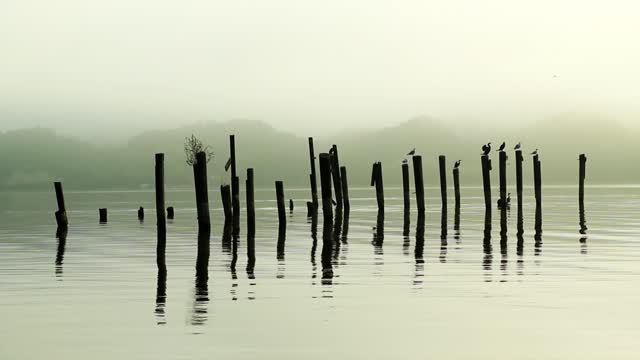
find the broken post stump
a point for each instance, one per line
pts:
(202, 192)
(581, 177)
(141, 214)
(61, 214)
(170, 213)
(103, 215)
(419, 182)
(325, 185)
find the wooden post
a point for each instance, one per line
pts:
(443, 180)
(312, 180)
(335, 173)
(161, 221)
(103, 215)
(503, 178)
(61, 214)
(282, 219)
(251, 207)
(170, 213)
(225, 194)
(456, 186)
(537, 179)
(291, 206)
(235, 186)
(486, 182)
(581, 178)
(325, 184)
(376, 180)
(519, 160)
(345, 188)
(419, 183)
(405, 191)
(141, 214)
(202, 192)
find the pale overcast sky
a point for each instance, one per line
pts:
(301, 64)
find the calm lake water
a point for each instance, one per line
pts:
(566, 296)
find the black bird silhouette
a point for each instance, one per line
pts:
(227, 165)
(405, 161)
(504, 144)
(486, 149)
(535, 152)
(334, 202)
(412, 152)
(457, 164)
(517, 147)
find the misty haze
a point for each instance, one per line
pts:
(290, 179)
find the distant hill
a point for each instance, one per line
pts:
(33, 158)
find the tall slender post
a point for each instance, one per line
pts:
(537, 179)
(456, 186)
(335, 173)
(251, 207)
(345, 188)
(61, 214)
(486, 182)
(312, 177)
(443, 180)
(419, 183)
(282, 218)
(519, 160)
(235, 186)
(202, 192)
(160, 214)
(405, 189)
(376, 180)
(503, 177)
(581, 177)
(325, 184)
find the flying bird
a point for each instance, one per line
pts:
(504, 144)
(517, 147)
(412, 152)
(227, 165)
(486, 149)
(535, 152)
(457, 164)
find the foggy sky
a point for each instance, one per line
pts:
(301, 65)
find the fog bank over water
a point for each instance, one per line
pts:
(116, 68)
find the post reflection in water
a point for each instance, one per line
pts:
(344, 237)
(227, 231)
(201, 295)
(327, 250)
(583, 229)
(251, 261)
(378, 240)
(443, 235)
(406, 243)
(486, 246)
(520, 242)
(314, 244)
(538, 232)
(280, 250)
(503, 240)
(61, 234)
(161, 297)
(419, 249)
(337, 230)
(456, 226)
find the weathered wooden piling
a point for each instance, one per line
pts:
(282, 218)
(251, 206)
(291, 206)
(486, 181)
(537, 179)
(346, 204)
(335, 174)
(141, 214)
(443, 180)
(456, 187)
(502, 168)
(235, 186)
(170, 213)
(202, 192)
(419, 183)
(376, 180)
(581, 177)
(103, 215)
(519, 160)
(225, 195)
(325, 184)
(311, 210)
(161, 221)
(405, 191)
(61, 214)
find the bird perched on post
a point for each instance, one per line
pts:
(504, 144)
(412, 152)
(457, 164)
(535, 152)
(486, 149)
(405, 161)
(517, 147)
